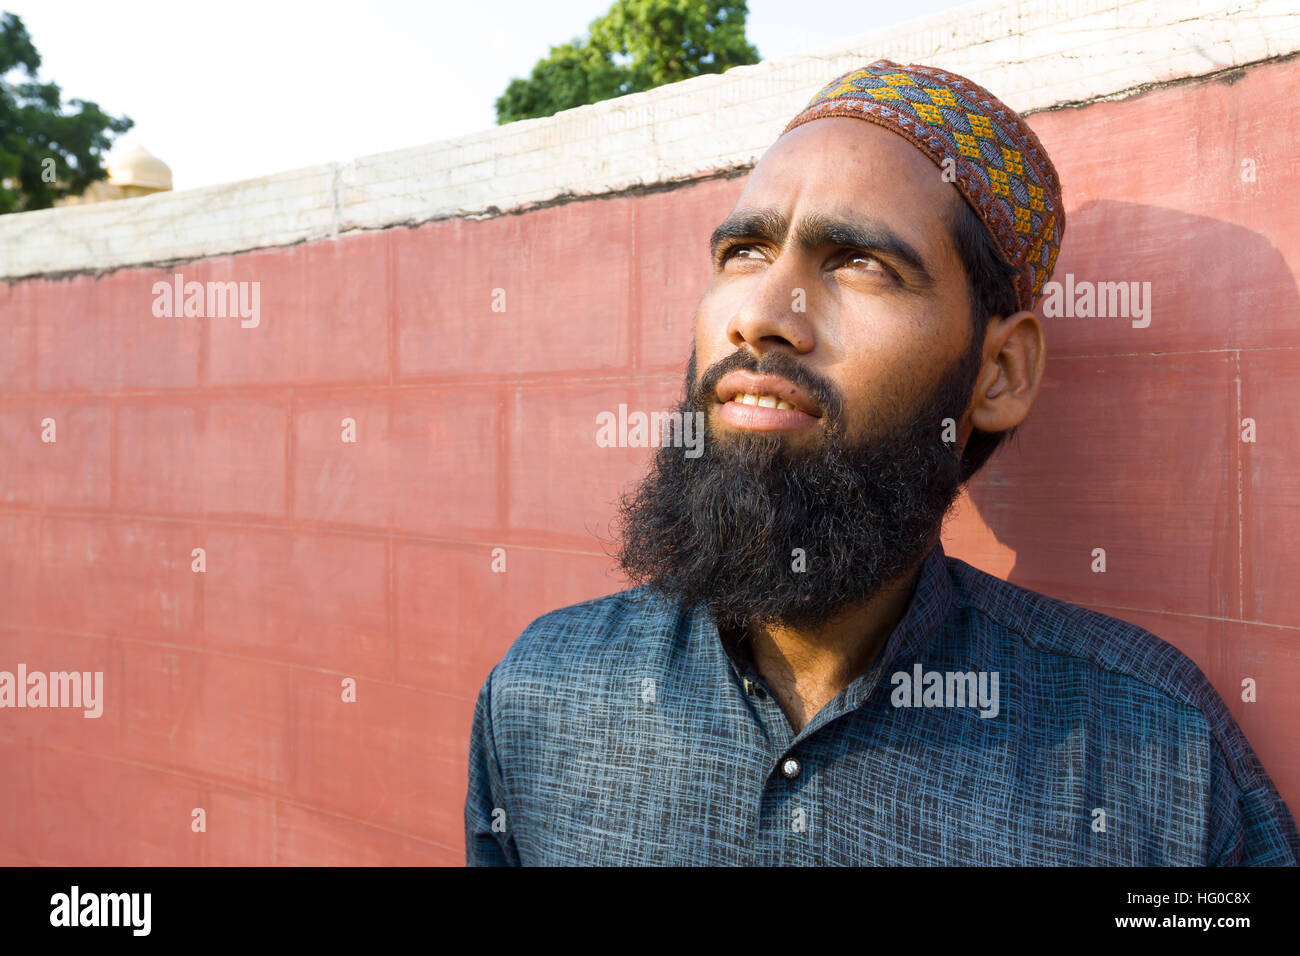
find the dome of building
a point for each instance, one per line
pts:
(141, 168)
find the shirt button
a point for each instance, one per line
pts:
(790, 768)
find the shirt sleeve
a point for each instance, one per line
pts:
(1250, 824)
(488, 841)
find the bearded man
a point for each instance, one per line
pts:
(801, 676)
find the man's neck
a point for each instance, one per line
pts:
(807, 667)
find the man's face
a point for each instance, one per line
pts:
(830, 358)
(864, 288)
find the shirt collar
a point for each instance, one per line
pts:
(916, 629)
(920, 624)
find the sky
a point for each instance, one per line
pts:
(229, 91)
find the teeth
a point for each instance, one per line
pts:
(766, 401)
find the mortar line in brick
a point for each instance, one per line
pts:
(263, 392)
(200, 589)
(289, 449)
(301, 527)
(1239, 457)
(204, 364)
(112, 455)
(394, 358)
(506, 396)
(634, 292)
(247, 659)
(1113, 355)
(391, 616)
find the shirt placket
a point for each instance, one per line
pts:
(792, 815)
(789, 809)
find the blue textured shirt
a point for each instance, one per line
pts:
(626, 731)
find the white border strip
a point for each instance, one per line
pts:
(1032, 56)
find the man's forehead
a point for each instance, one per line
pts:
(839, 141)
(838, 163)
(847, 170)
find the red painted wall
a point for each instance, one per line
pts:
(476, 430)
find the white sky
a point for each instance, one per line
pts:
(232, 90)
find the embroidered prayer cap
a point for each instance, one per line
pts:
(996, 160)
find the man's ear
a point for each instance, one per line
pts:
(1015, 355)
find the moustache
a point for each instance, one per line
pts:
(701, 393)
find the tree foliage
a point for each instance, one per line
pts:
(46, 152)
(637, 45)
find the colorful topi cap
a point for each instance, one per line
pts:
(997, 162)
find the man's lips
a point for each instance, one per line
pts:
(765, 402)
(736, 385)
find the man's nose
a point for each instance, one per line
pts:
(774, 313)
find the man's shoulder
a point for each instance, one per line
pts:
(1104, 646)
(1137, 686)
(588, 630)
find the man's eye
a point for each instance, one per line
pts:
(732, 251)
(869, 262)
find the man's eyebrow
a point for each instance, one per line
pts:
(819, 229)
(751, 224)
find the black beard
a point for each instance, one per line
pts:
(723, 528)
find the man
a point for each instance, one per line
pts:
(802, 676)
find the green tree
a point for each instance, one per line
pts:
(46, 153)
(637, 45)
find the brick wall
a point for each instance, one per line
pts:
(372, 560)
